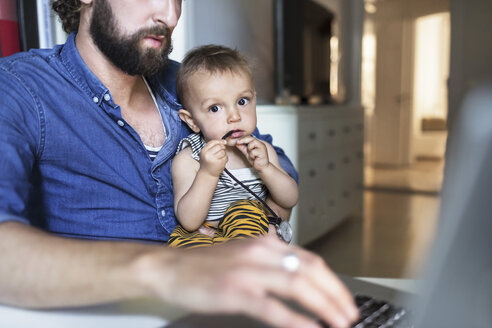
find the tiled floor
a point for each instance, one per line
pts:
(395, 232)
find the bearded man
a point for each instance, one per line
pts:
(88, 131)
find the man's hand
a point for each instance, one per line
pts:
(213, 157)
(272, 232)
(247, 277)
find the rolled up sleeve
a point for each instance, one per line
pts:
(19, 142)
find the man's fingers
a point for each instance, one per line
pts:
(313, 285)
(250, 278)
(295, 286)
(320, 274)
(316, 268)
(248, 296)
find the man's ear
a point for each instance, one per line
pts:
(186, 117)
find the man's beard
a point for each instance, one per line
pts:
(123, 51)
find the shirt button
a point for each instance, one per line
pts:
(163, 213)
(107, 97)
(120, 123)
(95, 99)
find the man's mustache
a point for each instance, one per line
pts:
(155, 30)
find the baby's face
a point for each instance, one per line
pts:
(222, 102)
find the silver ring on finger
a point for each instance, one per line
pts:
(291, 262)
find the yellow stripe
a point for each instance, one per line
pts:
(243, 219)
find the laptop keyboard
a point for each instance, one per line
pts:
(375, 313)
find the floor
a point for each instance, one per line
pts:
(424, 176)
(392, 237)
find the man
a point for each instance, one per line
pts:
(79, 125)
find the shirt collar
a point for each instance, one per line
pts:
(80, 73)
(96, 91)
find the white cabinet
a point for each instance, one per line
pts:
(325, 143)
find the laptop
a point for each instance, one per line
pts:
(456, 285)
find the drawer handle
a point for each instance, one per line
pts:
(312, 135)
(331, 166)
(312, 173)
(332, 133)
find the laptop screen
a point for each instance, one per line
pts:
(457, 285)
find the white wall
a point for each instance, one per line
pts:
(247, 25)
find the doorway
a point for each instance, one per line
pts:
(405, 68)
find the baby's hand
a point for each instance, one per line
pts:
(213, 157)
(255, 151)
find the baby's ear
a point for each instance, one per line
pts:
(186, 117)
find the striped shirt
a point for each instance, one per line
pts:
(227, 191)
(152, 151)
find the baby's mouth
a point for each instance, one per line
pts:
(233, 134)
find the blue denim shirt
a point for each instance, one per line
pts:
(69, 162)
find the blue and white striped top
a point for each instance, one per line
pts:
(227, 191)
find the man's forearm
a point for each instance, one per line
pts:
(42, 271)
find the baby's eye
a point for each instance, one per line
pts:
(243, 101)
(214, 108)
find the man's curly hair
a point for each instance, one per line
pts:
(69, 13)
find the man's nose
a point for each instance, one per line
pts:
(167, 12)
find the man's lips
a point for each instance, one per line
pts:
(155, 41)
(157, 37)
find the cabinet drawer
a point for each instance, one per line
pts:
(311, 136)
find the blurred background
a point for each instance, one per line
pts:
(361, 94)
